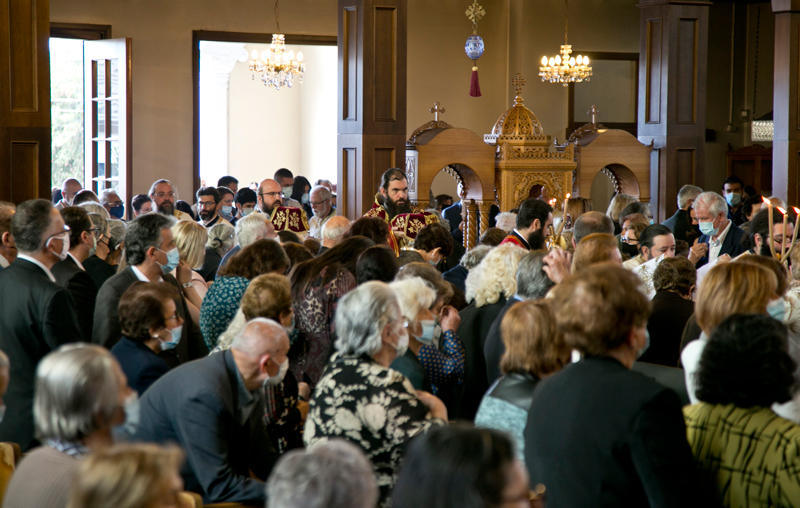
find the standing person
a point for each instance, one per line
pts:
(615, 207)
(300, 193)
(8, 249)
(69, 189)
(718, 232)
(533, 220)
(733, 188)
(322, 206)
(208, 206)
(681, 222)
(96, 265)
(229, 182)
(270, 196)
(70, 272)
(654, 241)
(112, 203)
(392, 200)
(38, 315)
(285, 180)
(141, 205)
(226, 208)
(245, 201)
(162, 194)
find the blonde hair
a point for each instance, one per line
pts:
(496, 275)
(125, 476)
(618, 203)
(593, 249)
(532, 340)
(190, 238)
(733, 288)
(577, 207)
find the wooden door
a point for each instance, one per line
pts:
(107, 107)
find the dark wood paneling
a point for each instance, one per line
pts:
(653, 73)
(25, 164)
(83, 31)
(684, 167)
(384, 55)
(349, 58)
(687, 71)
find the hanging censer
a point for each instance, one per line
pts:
(474, 46)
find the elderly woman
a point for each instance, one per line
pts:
(317, 286)
(362, 400)
(489, 286)
(746, 454)
(81, 396)
(148, 317)
(223, 297)
(221, 239)
(130, 476)
(535, 349)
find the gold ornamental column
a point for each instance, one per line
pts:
(484, 207)
(470, 232)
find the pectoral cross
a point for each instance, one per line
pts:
(594, 114)
(436, 109)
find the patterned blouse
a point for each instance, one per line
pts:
(374, 407)
(220, 306)
(445, 367)
(314, 318)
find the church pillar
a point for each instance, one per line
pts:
(673, 49)
(470, 233)
(372, 98)
(786, 138)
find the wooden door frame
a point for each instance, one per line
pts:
(244, 37)
(85, 31)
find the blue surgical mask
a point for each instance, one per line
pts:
(646, 343)
(132, 414)
(431, 331)
(652, 221)
(176, 338)
(287, 192)
(708, 229)
(247, 211)
(173, 259)
(777, 309)
(227, 210)
(304, 198)
(117, 211)
(734, 199)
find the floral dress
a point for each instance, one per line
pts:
(220, 306)
(314, 318)
(372, 406)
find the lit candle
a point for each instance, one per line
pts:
(783, 235)
(794, 235)
(564, 216)
(769, 212)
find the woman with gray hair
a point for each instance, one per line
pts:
(359, 398)
(81, 395)
(221, 239)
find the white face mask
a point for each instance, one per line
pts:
(64, 237)
(277, 378)
(402, 343)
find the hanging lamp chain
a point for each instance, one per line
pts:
(277, 19)
(566, 21)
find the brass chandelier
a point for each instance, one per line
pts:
(277, 67)
(564, 68)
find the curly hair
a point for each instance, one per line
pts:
(675, 274)
(142, 307)
(496, 275)
(373, 228)
(746, 363)
(263, 256)
(432, 236)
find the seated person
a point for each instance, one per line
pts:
(746, 454)
(148, 316)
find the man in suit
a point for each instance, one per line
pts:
(38, 315)
(71, 274)
(213, 409)
(8, 249)
(681, 223)
(152, 255)
(599, 434)
(719, 233)
(533, 221)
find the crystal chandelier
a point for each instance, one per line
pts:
(277, 67)
(565, 68)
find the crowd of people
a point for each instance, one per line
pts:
(258, 347)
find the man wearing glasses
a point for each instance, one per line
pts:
(208, 206)
(162, 194)
(36, 314)
(321, 201)
(270, 196)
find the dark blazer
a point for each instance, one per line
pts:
(452, 214)
(81, 286)
(141, 365)
(107, 330)
(199, 407)
(458, 277)
(227, 257)
(665, 324)
(681, 226)
(600, 435)
(99, 270)
(36, 317)
(475, 324)
(210, 265)
(493, 347)
(731, 245)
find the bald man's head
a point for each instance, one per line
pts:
(269, 196)
(590, 223)
(333, 231)
(262, 336)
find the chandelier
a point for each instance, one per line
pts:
(277, 67)
(564, 68)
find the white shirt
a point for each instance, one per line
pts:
(714, 246)
(37, 263)
(4, 262)
(141, 276)
(80, 265)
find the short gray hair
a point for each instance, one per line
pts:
(713, 202)
(532, 281)
(258, 337)
(333, 233)
(99, 223)
(92, 207)
(474, 256)
(251, 229)
(221, 238)
(506, 221)
(105, 193)
(688, 193)
(324, 192)
(77, 392)
(334, 474)
(116, 231)
(361, 316)
(413, 295)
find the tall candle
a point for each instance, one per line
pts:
(564, 216)
(783, 235)
(769, 212)
(794, 235)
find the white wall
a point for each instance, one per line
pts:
(318, 114)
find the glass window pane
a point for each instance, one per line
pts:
(114, 77)
(101, 119)
(113, 106)
(101, 78)
(114, 148)
(101, 162)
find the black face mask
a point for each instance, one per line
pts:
(630, 250)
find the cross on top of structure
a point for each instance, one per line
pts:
(594, 114)
(518, 83)
(436, 109)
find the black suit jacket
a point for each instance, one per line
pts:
(681, 226)
(107, 331)
(99, 270)
(36, 317)
(197, 406)
(210, 265)
(493, 347)
(81, 286)
(141, 365)
(600, 435)
(665, 324)
(731, 245)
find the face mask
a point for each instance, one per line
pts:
(652, 221)
(173, 259)
(630, 250)
(431, 331)
(289, 329)
(777, 309)
(64, 237)
(93, 249)
(2, 412)
(287, 192)
(117, 211)
(132, 413)
(402, 344)
(247, 211)
(304, 198)
(176, 338)
(734, 199)
(227, 210)
(708, 229)
(278, 378)
(646, 343)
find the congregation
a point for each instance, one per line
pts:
(257, 347)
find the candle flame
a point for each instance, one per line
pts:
(766, 200)
(796, 210)
(567, 195)
(780, 210)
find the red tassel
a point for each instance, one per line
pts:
(474, 85)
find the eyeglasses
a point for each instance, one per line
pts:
(60, 233)
(317, 203)
(206, 204)
(629, 241)
(162, 195)
(272, 194)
